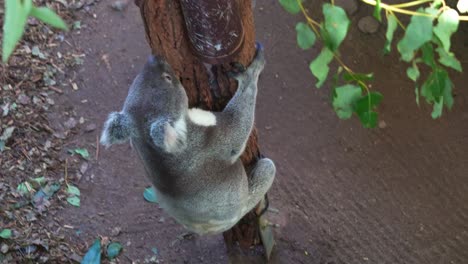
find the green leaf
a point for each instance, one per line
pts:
(93, 256)
(113, 250)
(335, 27)
(344, 98)
(369, 119)
(16, 15)
(392, 26)
(22, 188)
(358, 77)
(39, 180)
(368, 102)
(73, 190)
(319, 67)
(447, 24)
(448, 59)
(5, 234)
(291, 6)
(418, 32)
(377, 11)
(305, 36)
(413, 72)
(82, 152)
(437, 108)
(437, 89)
(150, 195)
(428, 55)
(48, 16)
(74, 200)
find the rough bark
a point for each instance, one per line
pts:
(167, 36)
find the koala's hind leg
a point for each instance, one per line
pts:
(260, 181)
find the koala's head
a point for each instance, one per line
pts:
(156, 102)
(157, 90)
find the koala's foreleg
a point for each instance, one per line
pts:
(260, 181)
(238, 116)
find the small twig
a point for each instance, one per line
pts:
(56, 89)
(66, 171)
(97, 147)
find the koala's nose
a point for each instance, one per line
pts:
(152, 60)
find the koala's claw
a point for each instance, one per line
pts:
(236, 70)
(264, 209)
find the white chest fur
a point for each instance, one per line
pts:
(201, 117)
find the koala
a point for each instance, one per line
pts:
(190, 155)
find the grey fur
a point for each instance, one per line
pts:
(196, 170)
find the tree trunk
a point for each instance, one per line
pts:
(167, 36)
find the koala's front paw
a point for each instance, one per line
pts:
(259, 60)
(117, 129)
(170, 137)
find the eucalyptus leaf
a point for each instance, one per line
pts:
(368, 119)
(114, 249)
(5, 233)
(305, 36)
(150, 195)
(93, 256)
(428, 55)
(39, 180)
(344, 98)
(447, 24)
(319, 66)
(418, 32)
(73, 190)
(16, 15)
(448, 59)
(48, 16)
(292, 6)
(391, 27)
(335, 27)
(437, 108)
(82, 152)
(368, 102)
(74, 200)
(22, 188)
(413, 72)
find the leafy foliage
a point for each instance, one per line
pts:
(430, 29)
(16, 16)
(74, 195)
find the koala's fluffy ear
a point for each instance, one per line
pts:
(117, 129)
(171, 138)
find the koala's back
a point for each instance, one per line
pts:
(199, 190)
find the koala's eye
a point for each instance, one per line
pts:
(167, 77)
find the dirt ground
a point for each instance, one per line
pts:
(344, 194)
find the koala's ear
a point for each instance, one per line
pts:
(171, 138)
(117, 129)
